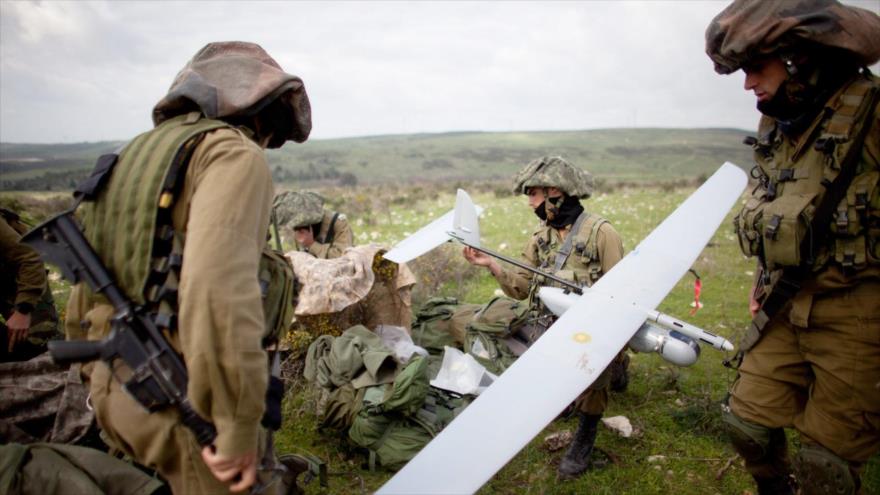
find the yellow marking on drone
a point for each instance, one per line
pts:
(582, 338)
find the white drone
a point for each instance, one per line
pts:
(594, 325)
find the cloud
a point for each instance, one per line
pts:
(89, 70)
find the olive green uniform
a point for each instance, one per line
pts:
(23, 286)
(326, 246)
(223, 209)
(597, 247)
(816, 365)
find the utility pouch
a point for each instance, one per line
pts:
(747, 224)
(276, 287)
(786, 222)
(850, 253)
(858, 205)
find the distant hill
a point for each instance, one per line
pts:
(611, 154)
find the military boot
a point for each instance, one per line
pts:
(576, 458)
(776, 485)
(620, 374)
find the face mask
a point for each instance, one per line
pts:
(802, 95)
(539, 211)
(559, 212)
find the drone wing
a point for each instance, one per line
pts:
(572, 353)
(461, 221)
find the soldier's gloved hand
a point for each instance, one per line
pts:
(240, 470)
(18, 325)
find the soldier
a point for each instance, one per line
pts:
(26, 301)
(181, 222)
(570, 243)
(324, 234)
(811, 357)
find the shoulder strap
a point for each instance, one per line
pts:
(565, 251)
(329, 236)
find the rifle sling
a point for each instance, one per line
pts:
(330, 233)
(565, 250)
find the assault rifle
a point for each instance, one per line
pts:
(156, 375)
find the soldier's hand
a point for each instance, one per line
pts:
(475, 257)
(18, 325)
(303, 236)
(240, 470)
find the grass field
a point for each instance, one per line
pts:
(678, 446)
(675, 410)
(616, 155)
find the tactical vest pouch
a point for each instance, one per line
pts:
(747, 224)
(276, 287)
(785, 223)
(858, 205)
(850, 252)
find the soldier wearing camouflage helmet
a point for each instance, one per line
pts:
(317, 231)
(570, 243)
(810, 360)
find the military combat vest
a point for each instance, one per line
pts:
(575, 259)
(793, 178)
(130, 226)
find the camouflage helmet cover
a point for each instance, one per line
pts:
(298, 208)
(554, 171)
(748, 30)
(236, 78)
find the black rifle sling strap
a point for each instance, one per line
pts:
(328, 238)
(789, 283)
(565, 250)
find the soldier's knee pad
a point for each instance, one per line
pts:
(750, 440)
(820, 471)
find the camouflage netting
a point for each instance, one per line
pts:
(235, 78)
(43, 401)
(748, 30)
(298, 209)
(359, 288)
(554, 171)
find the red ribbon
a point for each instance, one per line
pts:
(698, 287)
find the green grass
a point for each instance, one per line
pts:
(675, 410)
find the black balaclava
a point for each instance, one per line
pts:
(559, 212)
(810, 84)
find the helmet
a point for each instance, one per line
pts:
(234, 78)
(295, 209)
(748, 30)
(553, 171)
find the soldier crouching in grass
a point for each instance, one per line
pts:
(181, 223)
(573, 244)
(323, 234)
(811, 357)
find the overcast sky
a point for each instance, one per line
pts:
(92, 71)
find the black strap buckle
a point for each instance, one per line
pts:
(772, 228)
(785, 174)
(825, 145)
(841, 220)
